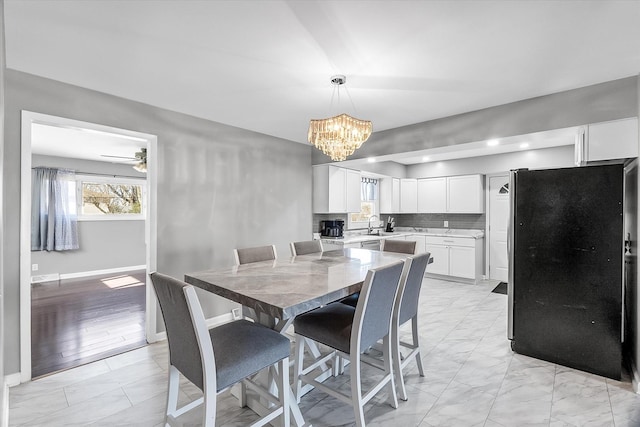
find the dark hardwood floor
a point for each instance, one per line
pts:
(77, 321)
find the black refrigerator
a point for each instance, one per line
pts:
(566, 249)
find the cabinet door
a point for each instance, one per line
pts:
(408, 195)
(440, 255)
(337, 190)
(389, 195)
(617, 139)
(432, 195)
(462, 262)
(353, 194)
(465, 194)
(395, 195)
(420, 242)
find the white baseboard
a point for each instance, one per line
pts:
(635, 378)
(62, 276)
(211, 322)
(12, 380)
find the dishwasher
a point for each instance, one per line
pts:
(373, 245)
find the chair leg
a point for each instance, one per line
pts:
(388, 370)
(397, 363)
(172, 393)
(356, 390)
(284, 391)
(298, 366)
(416, 343)
(210, 399)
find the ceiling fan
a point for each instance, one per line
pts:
(140, 158)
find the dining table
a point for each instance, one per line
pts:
(279, 290)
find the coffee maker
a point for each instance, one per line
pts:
(332, 228)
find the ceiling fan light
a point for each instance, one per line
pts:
(141, 167)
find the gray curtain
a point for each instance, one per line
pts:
(54, 218)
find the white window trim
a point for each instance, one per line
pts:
(110, 179)
(354, 225)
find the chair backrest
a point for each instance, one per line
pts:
(410, 285)
(259, 253)
(400, 246)
(187, 334)
(372, 320)
(307, 247)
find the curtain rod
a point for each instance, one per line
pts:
(112, 175)
(97, 174)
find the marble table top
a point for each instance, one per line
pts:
(290, 286)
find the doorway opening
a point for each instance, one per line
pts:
(81, 305)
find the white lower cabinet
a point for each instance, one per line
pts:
(440, 255)
(420, 242)
(455, 256)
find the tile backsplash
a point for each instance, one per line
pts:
(473, 221)
(467, 221)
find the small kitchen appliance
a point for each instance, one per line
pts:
(332, 228)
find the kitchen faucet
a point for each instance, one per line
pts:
(371, 228)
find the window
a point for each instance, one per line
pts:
(110, 198)
(368, 205)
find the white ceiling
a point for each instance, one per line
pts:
(85, 144)
(266, 65)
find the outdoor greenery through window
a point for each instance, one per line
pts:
(366, 210)
(111, 198)
(368, 204)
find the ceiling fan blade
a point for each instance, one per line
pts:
(119, 157)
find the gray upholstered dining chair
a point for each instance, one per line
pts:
(215, 359)
(405, 310)
(255, 254)
(349, 331)
(249, 255)
(400, 246)
(306, 247)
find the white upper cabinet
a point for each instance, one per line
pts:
(335, 190)
(432, 195)
(354, 194)
(465, 194)
(451, 194)
(389, 195)
(617, 139)
(409, 195)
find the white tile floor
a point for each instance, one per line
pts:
(472, 378)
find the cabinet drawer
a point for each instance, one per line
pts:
(449, 241)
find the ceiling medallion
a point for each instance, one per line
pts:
(339, 136)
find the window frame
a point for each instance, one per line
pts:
(110, 179)
(351, 225)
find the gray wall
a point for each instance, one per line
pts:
(219, 187)
(555, 157)
(103, 244)
(598, 103)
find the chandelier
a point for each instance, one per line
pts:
(339, 136)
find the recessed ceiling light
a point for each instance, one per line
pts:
(371, 159)
(524, 145)
(492, 142)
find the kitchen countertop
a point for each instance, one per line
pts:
(359, 236)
